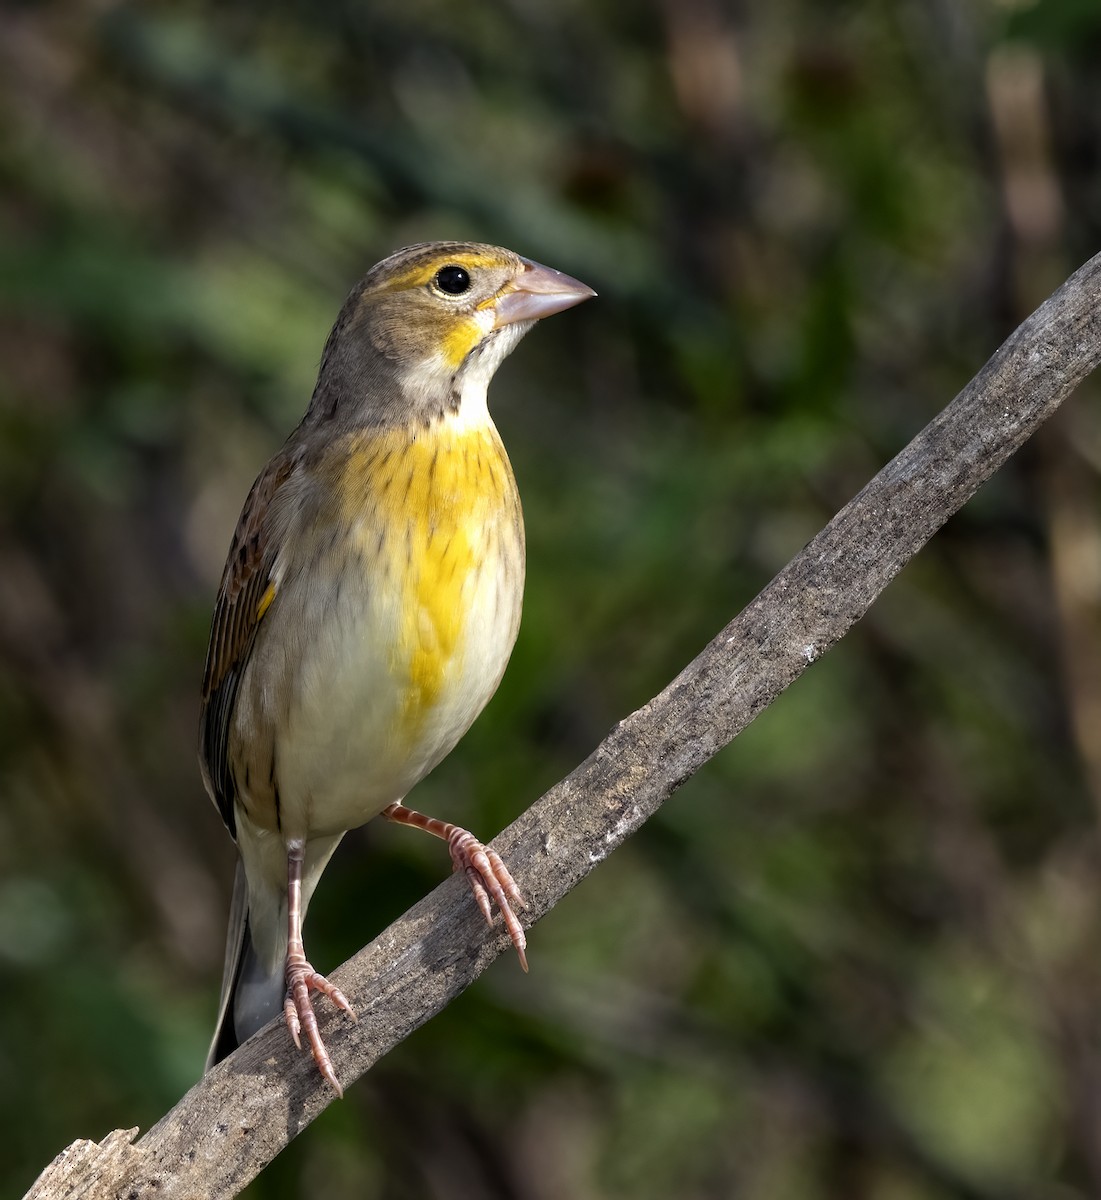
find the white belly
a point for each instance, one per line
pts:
(361, 735)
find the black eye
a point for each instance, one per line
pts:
(452, 280)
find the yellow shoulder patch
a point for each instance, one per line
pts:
(265, 601)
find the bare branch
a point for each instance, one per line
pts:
(241, 1114)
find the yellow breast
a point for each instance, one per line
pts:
(435, 517)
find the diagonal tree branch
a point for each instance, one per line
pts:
(241, 1114)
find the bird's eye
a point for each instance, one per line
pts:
(452, 280)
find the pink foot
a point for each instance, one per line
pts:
(299, 1015)
(489, 877)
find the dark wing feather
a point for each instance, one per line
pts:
(237, 616)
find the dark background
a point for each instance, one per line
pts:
(859, 954)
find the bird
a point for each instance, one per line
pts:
(368, 606)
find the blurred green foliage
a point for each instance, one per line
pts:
(857, 956)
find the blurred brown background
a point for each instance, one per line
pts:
(859, 954)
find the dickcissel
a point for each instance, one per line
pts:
(369, 604)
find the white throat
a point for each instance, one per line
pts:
(471, 381)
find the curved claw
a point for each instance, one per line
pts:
(490, 878)
(299, 1015)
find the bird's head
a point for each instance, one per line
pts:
(425, 329)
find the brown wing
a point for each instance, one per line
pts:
(243, 599)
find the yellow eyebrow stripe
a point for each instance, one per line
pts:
(422, 273)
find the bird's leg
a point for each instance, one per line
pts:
(302, 978)
(485, 871)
